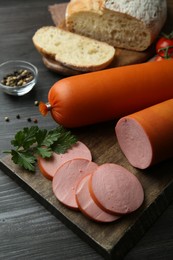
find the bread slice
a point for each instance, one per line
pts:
(129, 24)
(72, 50)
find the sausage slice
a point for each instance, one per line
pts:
(67, 177)
(88, 206)
(115, 189)
(48, 167)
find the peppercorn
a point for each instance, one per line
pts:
(35, 120)
(18, 116)
(29, 119)
(36, 103)
(18, 78)
(7, 119)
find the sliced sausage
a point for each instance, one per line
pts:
(67, 177)
(88, 206)
(115, 189)
(146, 137)
(48, 167)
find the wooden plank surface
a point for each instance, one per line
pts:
(123, 234)
(28, 231)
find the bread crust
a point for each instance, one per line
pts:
(84, 6)
(152, 13)
(148, 16)
(71, 50)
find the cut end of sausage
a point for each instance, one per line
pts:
(48, 167)
(67, 178)
(115, 189)
(88, 206)
(134, 142)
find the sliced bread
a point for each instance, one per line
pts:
(72, 50)
(129, 24)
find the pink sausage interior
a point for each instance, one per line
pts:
(134, 142)
(50, 166)
(67, 177)
(115, 189)
(88, 206)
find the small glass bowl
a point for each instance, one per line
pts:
(10, 67)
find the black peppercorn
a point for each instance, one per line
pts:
(18, 116)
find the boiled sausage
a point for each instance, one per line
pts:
(48, 167)
(115, 189)
(146, 137)
(88, 206)
(67, 177)
(109, 94)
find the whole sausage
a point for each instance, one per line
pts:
(146, 137)
(108, 94)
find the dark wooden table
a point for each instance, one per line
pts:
(27, 229)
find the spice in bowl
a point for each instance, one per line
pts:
(17, 78)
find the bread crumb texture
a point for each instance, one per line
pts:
(129, 24)
(73, 50)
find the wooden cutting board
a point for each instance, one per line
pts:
(122, 57)
(112, 240)
(115, 239)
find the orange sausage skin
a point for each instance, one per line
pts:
(110, 94)
(153, 143)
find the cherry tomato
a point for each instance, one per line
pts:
(164, 46)
(160, 58)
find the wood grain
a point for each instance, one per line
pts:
(27, 230)
(123, 234)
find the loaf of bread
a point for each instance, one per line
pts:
(72, 50)
(129, 24)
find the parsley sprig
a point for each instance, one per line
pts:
(32, 142)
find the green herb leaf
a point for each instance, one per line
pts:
(25, 138)
(51, 137)
(44, 152)
(32, 142)
(64, 142)
(23, 159)
(40, 136)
